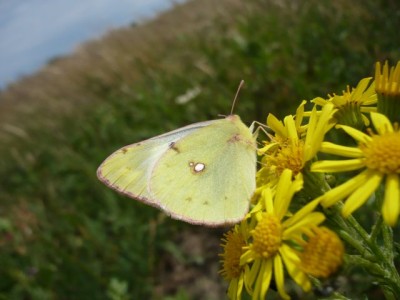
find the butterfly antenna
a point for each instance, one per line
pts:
(237, 93)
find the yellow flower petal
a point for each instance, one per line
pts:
(360, 90)
(282, 202)
(288, 189)
(391, 203)
(301, 214)
(332, 148)
(276, 125)
(368, 109)
(318, 126)
(362, 194)
(338, 165)
(354, 133)
(387, 81)
(247, 257)
(239, 287)
(300, 114)
(263, 280)
(279, 277)
(314, 218)
(292, 263)
(364, 118)
(369, 97)
(342, 191)
(381, 123)
(319, 101)
(233, 291)
(251, 275)
(290, 126)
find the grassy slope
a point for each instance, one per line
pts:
(62, 232)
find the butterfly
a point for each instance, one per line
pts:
(203, 173)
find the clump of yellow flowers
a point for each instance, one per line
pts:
(317, 168)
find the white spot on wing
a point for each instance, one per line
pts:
(197, 167)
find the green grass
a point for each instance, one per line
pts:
(63, 235)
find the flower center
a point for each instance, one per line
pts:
(289, 156)
(234, 242)
(267, 236)
(382, 153)
(322, 254)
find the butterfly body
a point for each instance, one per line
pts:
(202, 173)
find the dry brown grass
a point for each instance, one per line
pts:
(61, 87)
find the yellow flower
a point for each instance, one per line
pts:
(293, 144)
(378, 155)
(351, 105)
(322, 253)
(387, 81)
(388, 90)
(233, 243)
(274, 236)
(288, 130)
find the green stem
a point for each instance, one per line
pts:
(363, 234)
(376, 228)
(387, 234)
(373, 268)
(360, 247)
(383, 255)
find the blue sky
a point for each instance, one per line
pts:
(34, 31)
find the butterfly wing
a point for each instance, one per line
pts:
(128, 170)
(207, 177)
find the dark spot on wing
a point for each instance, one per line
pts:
(173, 147)
(235, 138)
(124, 150)
(205, 203)
(188, 199)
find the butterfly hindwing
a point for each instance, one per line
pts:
(128, 169)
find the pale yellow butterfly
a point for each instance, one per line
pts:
(203, 173)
